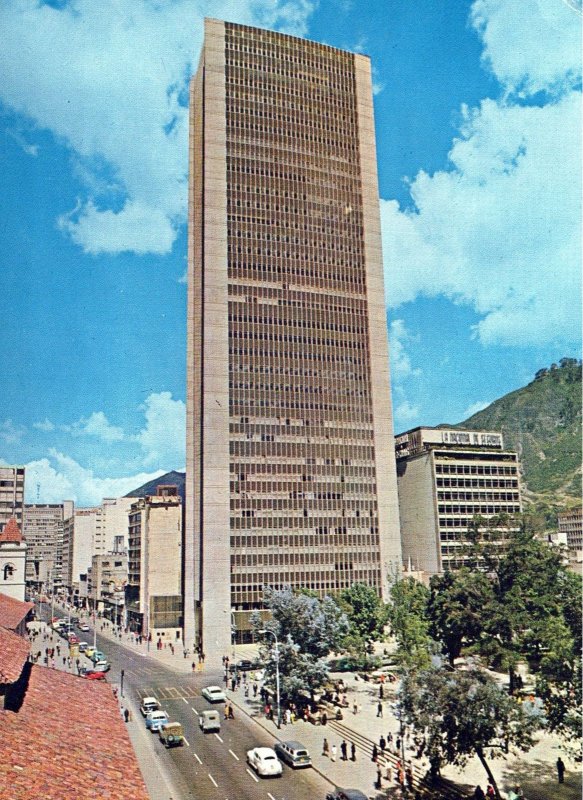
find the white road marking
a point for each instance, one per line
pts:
(197, 758)
(219, 738)
(255, 778)
(195, 711)
(213, 780)
(270, 796)
(234, 756)
(185, 700)
(186, 740)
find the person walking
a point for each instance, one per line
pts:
(479, 793)
(560, 770)
(344, 750)
(352, 751)
(325, 748)
(379, 709)
(379, 780)
(333, 752)
(375, 753)
(382, 743)
(355, 707)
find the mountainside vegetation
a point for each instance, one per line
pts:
(542, 423)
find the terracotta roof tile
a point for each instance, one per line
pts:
(67, 738)
(12, 611)
(11, 532)
(14, 652)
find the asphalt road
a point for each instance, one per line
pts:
(210, 766)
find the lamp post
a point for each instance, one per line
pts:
(276, 657)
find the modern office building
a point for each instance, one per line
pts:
(445, 479)
(290, 461)
(43, 531)
(11, 495)
(154, 586)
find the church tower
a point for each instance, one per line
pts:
(12, 561)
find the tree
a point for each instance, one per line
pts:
(308, 629)
(367, 615)
(456, 609)
(462, 714)
(407, 615)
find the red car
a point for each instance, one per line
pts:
(73, 639)
(92, 675)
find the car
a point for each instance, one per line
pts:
(93, 675)
(83, 626)
(264, 762)
(209, 721)
(89, 651)
(241, 666)
(102, 666)
(73, 638)
(155, 720)
(149, 704)
(74, 620)
(83, 647)
(214, 694)
(171, 734)
(346, 794)
(96, 656)
(293, 753)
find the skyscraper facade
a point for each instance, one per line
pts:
(290, 462)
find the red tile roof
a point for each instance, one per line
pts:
(13, 653)
(11, 532)
(12, 611)
(66, 742)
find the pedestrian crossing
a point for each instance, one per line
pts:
(168, 692)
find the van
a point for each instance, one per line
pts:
(149, 704)
(293, 753)
(171, 735)
(209, 721)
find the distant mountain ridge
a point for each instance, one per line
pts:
(542, 423)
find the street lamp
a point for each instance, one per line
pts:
(276, 657)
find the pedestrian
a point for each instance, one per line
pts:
(333, 753)
(325, 748)
(375, 753)
(479, 793)
(381, 692)
(231, 713)
(126, 714)
(398, 744)
(246, 692)
(409, 777)
(344, 750)
(227, 708)
(193, 666)
(379, 780)
(389, 774)
(560, 770)
(382, 743)
(355, 708)
(389, 738)
(352, 751)
(255, 687)
(324, 718)
(379, 709)
(490, 791)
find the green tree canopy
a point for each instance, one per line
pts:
(366, 612)
(409, 622)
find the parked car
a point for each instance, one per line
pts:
(214, 694)
(93, 675)
(242, 666)
(149, 704)
(89, 651)
(209, 722)
(293, 753)
(83, 647)
(171, 734)
(83, 626)
(155, 720)
(102, 666)
(264, 762)
(96, 656)
(346, 794)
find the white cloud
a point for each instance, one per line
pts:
(11, 433)
(399, 336)
(29, 149)
(500, 231)
(60, 477)
(479, 405)
(404, 413)
(47, 426)
(109, 79)
(96, 425)
(530, 45)
(163, 438)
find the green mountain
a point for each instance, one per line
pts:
(542, 422)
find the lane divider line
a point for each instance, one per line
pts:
(186, 740)
(214, 781)
(234, 756)
(255, 778)
(219, 738)
(197, 758)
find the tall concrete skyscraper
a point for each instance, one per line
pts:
(290, 460)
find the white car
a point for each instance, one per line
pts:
(264, 761)
(149, 704)
(214, 694)
(83, 626)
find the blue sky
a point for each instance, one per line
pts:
(478, 116)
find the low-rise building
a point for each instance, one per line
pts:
(571, 531)
(445, 479)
